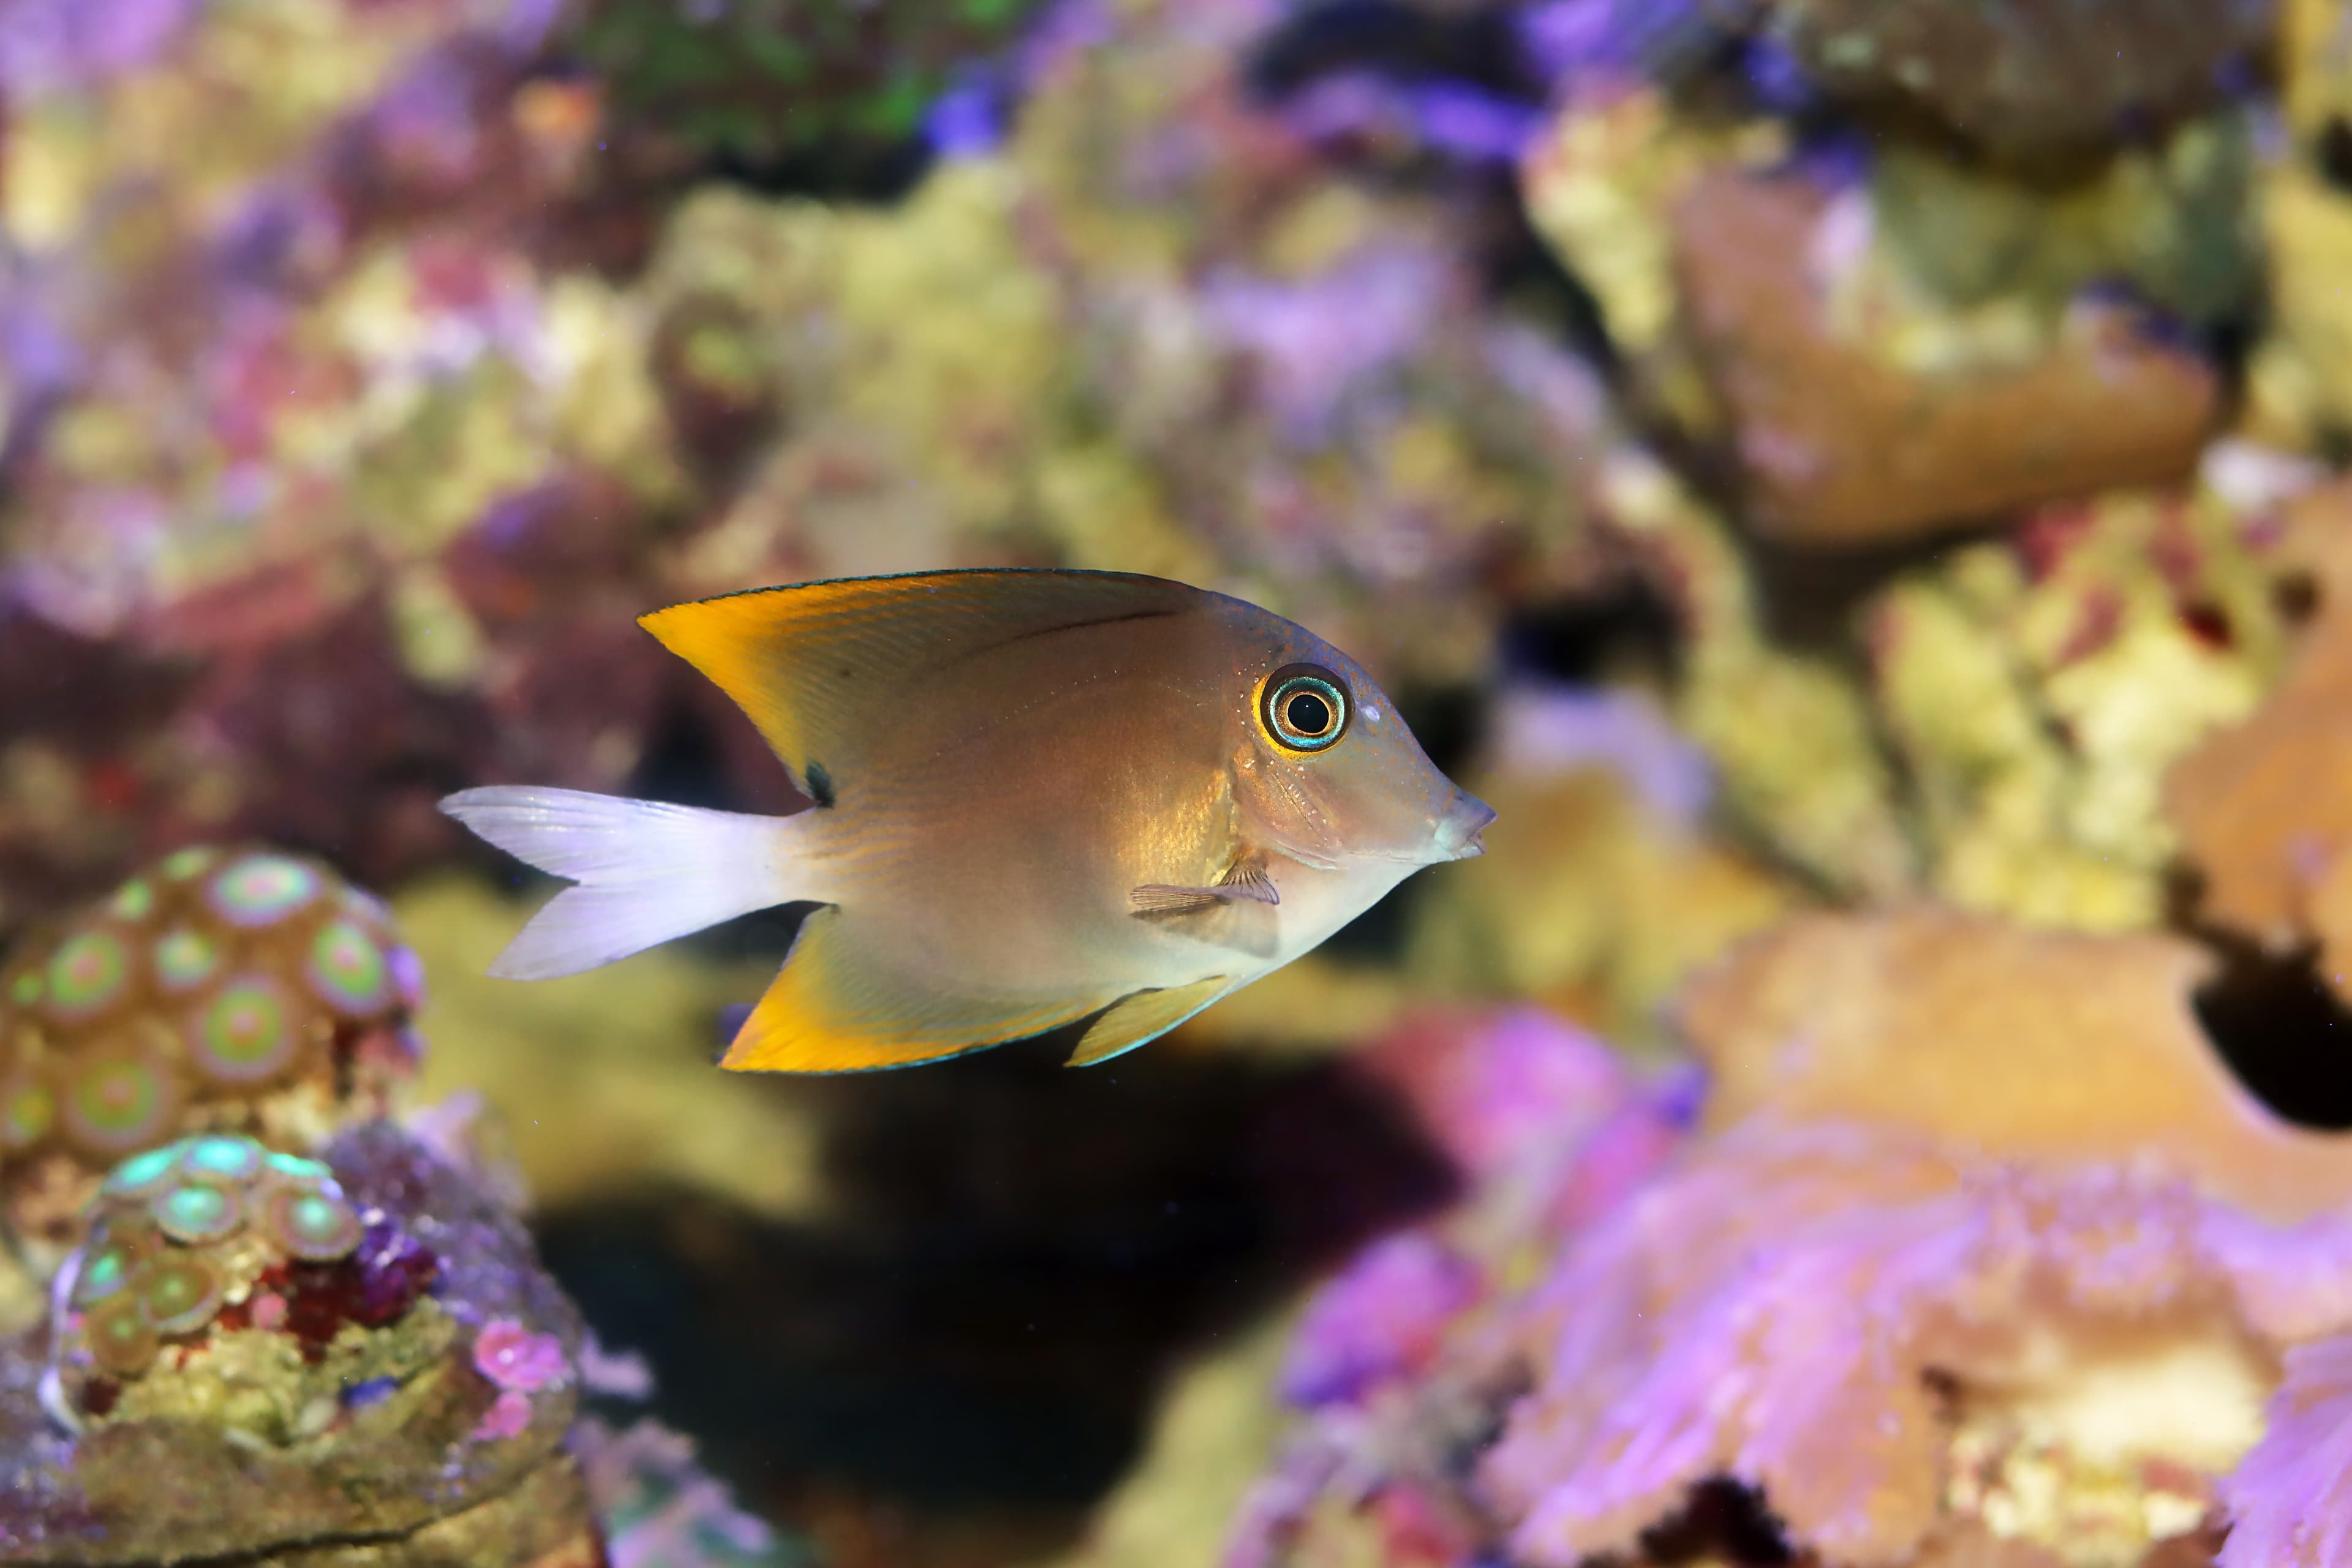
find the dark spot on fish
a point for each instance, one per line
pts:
(820, 784)
(843, 673)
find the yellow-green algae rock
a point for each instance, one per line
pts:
(1148, 333)
(2037, 690)
(2299, 382)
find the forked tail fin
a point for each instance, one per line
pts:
(647, 871)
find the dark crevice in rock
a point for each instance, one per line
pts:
(2283, 1031)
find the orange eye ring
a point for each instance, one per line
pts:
(1305, 708)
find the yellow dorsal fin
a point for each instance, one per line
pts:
(1142, 1016)
(830, 1011)
(819, 667)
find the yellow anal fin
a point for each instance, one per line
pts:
(1142, 1016)
(830, 1011)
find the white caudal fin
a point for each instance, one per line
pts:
(647, 871)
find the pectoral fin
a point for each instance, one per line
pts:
(1246, 882)
(1143, 1015)
(830, 1009)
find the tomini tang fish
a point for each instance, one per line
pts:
(1041, 796)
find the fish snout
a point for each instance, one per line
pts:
(1458, 830)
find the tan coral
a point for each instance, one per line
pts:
(1839, 446)
(2012, 1043)
(2261, 807)
(1601, 186)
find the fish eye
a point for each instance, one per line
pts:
(1305, 707)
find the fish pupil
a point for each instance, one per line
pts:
(1305, 708)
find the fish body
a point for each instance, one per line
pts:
(1040, 796)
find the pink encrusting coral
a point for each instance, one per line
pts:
(2290, 1503)
(1885, 1295)
(508, 1417)
(1401, 1357)
(518, 1360)
(1824, 1312)
(1523, 1104)
(1872, 1292)
(1495, 1088)
(1381, 1319)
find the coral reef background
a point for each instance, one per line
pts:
(1858, 487)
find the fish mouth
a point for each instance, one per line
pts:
(1460, 832)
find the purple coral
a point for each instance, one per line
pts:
(518, 1359)
(393, 1268)
(2290, 1502)
(1381, 1319)
(1395, 1356)
(1772, 1311)
(1558, 729)
(1496, 1088)
(659, 1505)
(1317, 343)
(49, 46)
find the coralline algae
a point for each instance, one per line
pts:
(1975, 1248)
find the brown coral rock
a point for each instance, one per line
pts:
(2011, 1042)
(1973, 1546)
(2057, 76)
(1841, 446)
(546, 1521)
